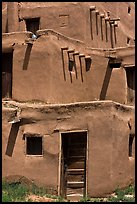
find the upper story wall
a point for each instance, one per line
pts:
(46, 69)
(76, 20)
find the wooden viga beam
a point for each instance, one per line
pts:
(91, 9)
(114, 19)
(97, 13)
(70, 62)
(101, 24)
(74, 54)
(63, 63)
(115, 34)
(106, 21)
(111, 34)
(81, 72)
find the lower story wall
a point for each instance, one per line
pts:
(108, 125)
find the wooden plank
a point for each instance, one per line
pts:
(73, 191)
(76, 152)
(75, 184)
(75, 177)
(74, 197)
(76, 159)
(76, 165)
(75, 171)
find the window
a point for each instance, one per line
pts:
(64, 20)
(32, 24)
(7, 59)
(88, 61)
(33, 145)
(71, 64)
(129, 9)
(130, 74)
(128, 40)
(131, 138)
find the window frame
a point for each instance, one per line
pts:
(32, 20)
(28, 135)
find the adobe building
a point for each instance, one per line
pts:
(68, 95)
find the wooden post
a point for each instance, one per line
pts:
(69, 62)
(74, 54)
(63, 63)
(101, 26)
(97, 13)
(111, 34)
(81, 55)
(92, 8)
(106, 20)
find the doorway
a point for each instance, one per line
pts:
(7, 59)
(130, 74)
(73, 164)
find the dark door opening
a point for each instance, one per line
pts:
(73, 164)
(7, 59)
(32, 24)
(130, 73)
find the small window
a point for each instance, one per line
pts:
(34, 145)
(129, 9)
(131, 138)
(88, 62)
(71, 64)
(32, 24)
(63, 20)
(128, 41)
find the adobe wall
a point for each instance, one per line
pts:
(108, 164)
(73, 102)
(73, 19)
(15, 161)
(38, 70)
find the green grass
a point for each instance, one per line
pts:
(13, 192)
(120, 196)
(17, 192)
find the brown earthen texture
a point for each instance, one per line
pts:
(74, 73)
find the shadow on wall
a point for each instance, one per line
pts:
(6, 31)
(106, 82)
(13, 135)
(27, 56)
(12, 138)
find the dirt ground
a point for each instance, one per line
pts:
(36, 198)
